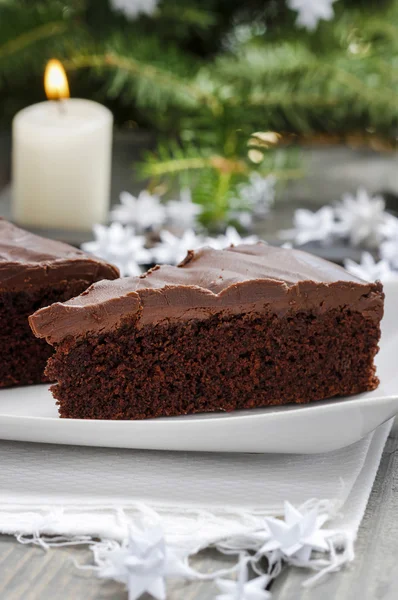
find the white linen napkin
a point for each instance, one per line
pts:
(43, 475)
(200, 498)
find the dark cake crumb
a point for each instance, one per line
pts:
(22, 357)
(213, 365)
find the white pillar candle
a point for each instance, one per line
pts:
(61, 164)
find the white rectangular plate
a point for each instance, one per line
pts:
(29, 414)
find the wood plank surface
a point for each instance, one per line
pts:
(374, 572)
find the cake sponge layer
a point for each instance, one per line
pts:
(220, 364)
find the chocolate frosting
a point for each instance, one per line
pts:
(242, 279)
(28, 261)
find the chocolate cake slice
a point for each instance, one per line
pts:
(35, 272)
(245, 327)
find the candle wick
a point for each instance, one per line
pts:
(60, 104)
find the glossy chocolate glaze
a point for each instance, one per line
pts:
(28, 261)
(244, 279)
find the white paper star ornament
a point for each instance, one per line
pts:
(312, 537)
(120, 246)
(258, 193)
(283, 537)
(140, 563)
(133, 8)
(173, 249)
(370, 270)
(146, 565)
(362, 218)
(230, 238)
(319, 226)
(296, 536)
(389, 247)
(241, 588)
(144, 211)
(253, 590)
(183, 212)
(139, 581)
(310, 12)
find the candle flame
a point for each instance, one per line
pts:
(55, 81)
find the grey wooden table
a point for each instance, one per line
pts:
(30, 573)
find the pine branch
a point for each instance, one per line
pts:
(279, 98)
(301, 95)
(158, 168)
(188, 15)
(30, 34)
(213, 178)
(164, 81)
(175, 159)
(26, 39)
(373, 95)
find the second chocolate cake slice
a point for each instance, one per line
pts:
(34, 272)
(246, 327)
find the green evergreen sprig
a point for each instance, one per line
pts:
(189, 74)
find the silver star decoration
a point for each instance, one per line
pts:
(310, 12)
(242, 589)
(319, 226)
(362, 219)
(173, 249)
(144, 211)
(296, 536)
(120, 246)
(370, 270)
(183, 213)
